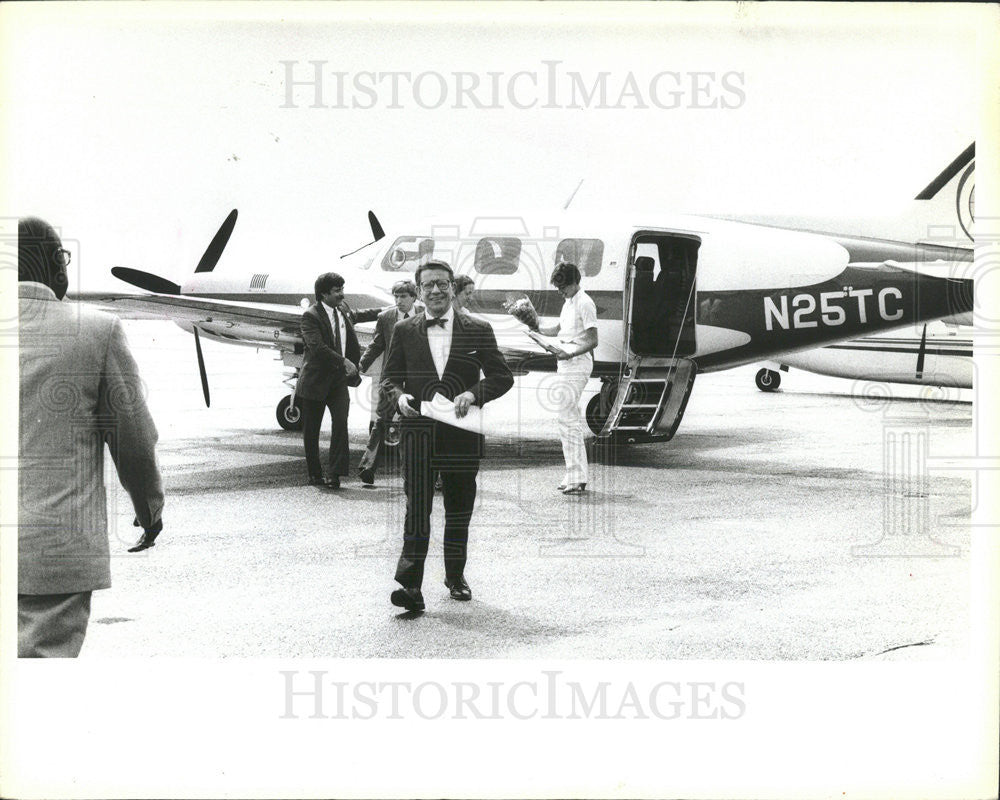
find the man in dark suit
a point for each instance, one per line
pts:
(457, 356)
(331, 356)
(405, 294)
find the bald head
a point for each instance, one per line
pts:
(38, 255)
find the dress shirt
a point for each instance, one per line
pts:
(439, 340)
(337, 323)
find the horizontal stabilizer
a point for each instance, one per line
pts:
(950, 172)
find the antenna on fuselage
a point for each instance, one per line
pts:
(570, 200)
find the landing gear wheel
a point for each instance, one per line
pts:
(596, 415)
(289, 416)
(768, 380)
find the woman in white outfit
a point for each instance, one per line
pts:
(577, 332)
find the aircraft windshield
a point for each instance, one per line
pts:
(407, 253)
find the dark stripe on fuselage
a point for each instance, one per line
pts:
(915, 351)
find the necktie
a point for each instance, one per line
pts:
(336, 333)
(438, 321)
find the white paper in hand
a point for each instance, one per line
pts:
(442, 409)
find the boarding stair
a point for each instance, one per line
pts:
(652, 395)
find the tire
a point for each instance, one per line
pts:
(595, 420)
(768, 380)
(289, 416)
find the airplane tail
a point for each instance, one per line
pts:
(950, 200)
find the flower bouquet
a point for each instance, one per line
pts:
(523, 311)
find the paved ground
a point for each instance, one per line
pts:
(769, 528)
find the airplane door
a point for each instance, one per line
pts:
(659, 321)
(660, 295)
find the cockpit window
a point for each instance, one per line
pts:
(498, 255)
(587, 254)
(407, 253)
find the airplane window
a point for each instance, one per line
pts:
(587, 254)
(498, 255)
(407, 253)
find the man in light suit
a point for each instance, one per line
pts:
(449, 353)
(405, 294)
(331, 357)
(79, 389)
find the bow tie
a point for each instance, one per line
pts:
(432, 322)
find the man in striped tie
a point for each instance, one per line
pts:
(331, 366)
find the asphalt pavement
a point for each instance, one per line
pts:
(825, 521)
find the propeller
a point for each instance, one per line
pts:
(154, 283)
(201, 369)
(377, 232)
(146, 280)
(214, 250)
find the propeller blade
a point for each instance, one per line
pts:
(214, 250)
(146, 280)
(377, 231)
(201, 369)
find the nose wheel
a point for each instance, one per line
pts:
(289, 416)
(767, 380)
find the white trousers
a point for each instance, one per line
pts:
(567, 390)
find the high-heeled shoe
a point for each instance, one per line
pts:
(575, 488)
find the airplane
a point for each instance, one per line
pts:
(937, 353)
(676, 296)
(930, 354)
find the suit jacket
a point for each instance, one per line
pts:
(324, 366)
(384, 324)
(79, 389)
(474, 364)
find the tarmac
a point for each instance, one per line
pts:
(825, 521)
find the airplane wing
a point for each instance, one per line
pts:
(238, 322)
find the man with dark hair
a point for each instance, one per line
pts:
(405, 294)
(577, 332)
(331, 356)
(455, 355)
(79, 389)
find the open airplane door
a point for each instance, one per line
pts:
(660, 336)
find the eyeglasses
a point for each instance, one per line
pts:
(62, 257)
(439, 285)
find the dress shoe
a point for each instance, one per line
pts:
(333, 483)
(561, 487)
(410, 599)
(367, 476)
(315, 480)
(459, 589)
(575, 488)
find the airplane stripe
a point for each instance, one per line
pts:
(932, 351)
(890, 340)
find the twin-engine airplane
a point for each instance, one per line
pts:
(675, 296)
